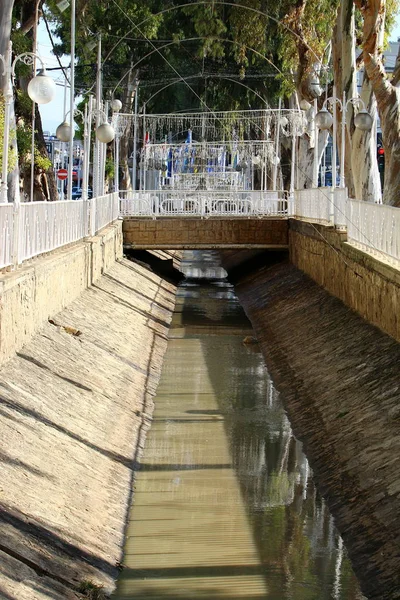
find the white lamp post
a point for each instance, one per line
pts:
(324, 120)
(104, 133)
(116, 106)
(41, 89)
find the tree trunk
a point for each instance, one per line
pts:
(344, 64)
(387, 95)
(367, 182)
(361, 167)
(48, 185)
(125, 143)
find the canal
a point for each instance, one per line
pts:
(224, 503)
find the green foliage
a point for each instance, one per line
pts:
(392, 11)
(92, 591)
(24, 142)
(109, 168)
(213, 41)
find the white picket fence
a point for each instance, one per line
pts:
(33, 228)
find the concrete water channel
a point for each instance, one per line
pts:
(224, 502)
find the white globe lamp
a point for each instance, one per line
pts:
(105, 133)
(116, 105)
(363, 120)
(63, 132)
(324, 119)
(42, 88)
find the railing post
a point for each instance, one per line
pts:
(339, 196)
(331, 206)
(16, 247)
(291, 204)
(92, 217)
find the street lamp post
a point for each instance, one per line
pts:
(116, 106)
(104, 133)
(71, 103)
(324, 120)
(41, 89)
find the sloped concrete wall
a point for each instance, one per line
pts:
(338, 377)
(75, 404)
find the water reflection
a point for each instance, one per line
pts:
(225, 505)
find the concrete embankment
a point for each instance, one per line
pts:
(339, 380)
(75, 404)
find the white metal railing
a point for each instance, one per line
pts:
(314, 204)
(45, 226)
(106, 210)
(32, 228)
(374, 228)
(204, 203)
(230, 180)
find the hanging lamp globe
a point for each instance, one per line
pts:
(241, 166)
(323, 119)
(105, 133)
(304, 104)
(116, 105)
(41, 88)
(63, 132)
(363, 120)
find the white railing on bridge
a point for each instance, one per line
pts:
(105, 209)
(314, 205)
(374, 228)
(45, 226)
(33, 228)
(204, 203)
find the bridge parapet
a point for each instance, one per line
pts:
(206, 204)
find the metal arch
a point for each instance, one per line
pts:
(199, 77)
(214, 2)
(158, 49)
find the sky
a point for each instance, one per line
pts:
(53, 113)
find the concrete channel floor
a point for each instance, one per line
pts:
(188, 534)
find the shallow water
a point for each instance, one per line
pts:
(224, 502)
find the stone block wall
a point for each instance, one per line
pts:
(198, 233)
(367, 285)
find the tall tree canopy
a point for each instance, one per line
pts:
(223, 55)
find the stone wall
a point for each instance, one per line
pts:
(42, 287)
(205, 233)
(75, 405)
(365, 284)
(339, 382)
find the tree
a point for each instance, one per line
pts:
(387, 93)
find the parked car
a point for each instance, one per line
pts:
(77, 193)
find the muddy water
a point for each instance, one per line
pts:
(224, 501)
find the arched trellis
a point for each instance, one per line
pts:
(168, 44)
(213, 3)
(218, 76)
(200, 76)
